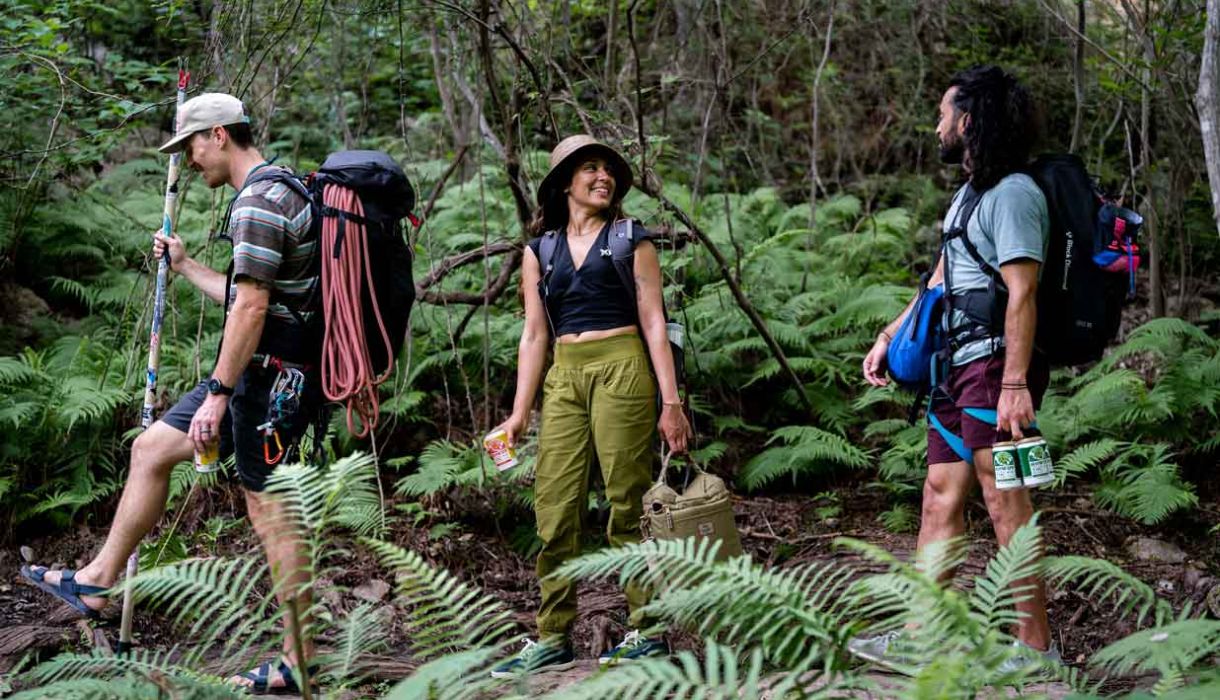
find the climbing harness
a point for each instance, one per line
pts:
(284, 402)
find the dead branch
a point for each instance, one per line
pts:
(451, 263)
(488, 296)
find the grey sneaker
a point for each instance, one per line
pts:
(1027, 657)
(886, 650)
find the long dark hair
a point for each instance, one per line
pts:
(1003, 123)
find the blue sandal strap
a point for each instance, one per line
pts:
(68, 590)
(68, 583)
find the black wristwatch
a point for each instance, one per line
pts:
(215, 387)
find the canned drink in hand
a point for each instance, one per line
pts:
(503, 454)
(208, 461)
(1007, 467)
(1037, 468)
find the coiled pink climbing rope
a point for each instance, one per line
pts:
(347, 368)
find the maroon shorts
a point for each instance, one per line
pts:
(977, 385)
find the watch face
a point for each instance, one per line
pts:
(213, 386)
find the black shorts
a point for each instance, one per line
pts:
(239, 433)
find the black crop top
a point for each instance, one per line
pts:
(591, 298)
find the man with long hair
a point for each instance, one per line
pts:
(986, 125)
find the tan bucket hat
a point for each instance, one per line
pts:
(201, 113)
(563, 159)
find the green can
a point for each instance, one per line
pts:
(1005, 460)
(1037, 468)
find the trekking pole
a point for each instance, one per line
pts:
(154, 339)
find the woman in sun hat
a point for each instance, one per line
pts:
(599, 396)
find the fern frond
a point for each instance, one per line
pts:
(1099, 580)
(457, 676)
(719, 676)
(445, 614)
(1083, 458)
(995, 592)
(361, 633)
(216, 600)
(805, 448)
(345, 495)
(1169, 650)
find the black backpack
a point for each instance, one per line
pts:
(622, 253)
(387, 198)
(1089, 269)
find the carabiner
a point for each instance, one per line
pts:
(279, 446)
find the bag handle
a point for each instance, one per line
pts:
(666, 454)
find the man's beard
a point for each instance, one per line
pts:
(952, 153)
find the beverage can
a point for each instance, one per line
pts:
(208, 461)
(1007, 468)
(1037, 468)
(501, 453)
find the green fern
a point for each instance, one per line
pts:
(805, 449)
(719, 676)
(445, 614)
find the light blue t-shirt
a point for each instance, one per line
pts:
(1010, 223)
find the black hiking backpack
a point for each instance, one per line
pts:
(1088, 273)
(622, 253)
(386, 197)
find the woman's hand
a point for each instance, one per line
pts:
(516, 426)
(674, 427)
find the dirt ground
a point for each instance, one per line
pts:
(779, 530)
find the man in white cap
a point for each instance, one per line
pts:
(267, 302)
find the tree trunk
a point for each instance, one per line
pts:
(1078, 76)
(609, 83)
(1207, 101)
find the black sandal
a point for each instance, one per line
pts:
(262, 679)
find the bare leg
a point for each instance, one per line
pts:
(153, 456)
(945, 490)
(1009, 510)
(290, 574)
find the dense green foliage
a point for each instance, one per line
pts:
(801, 148)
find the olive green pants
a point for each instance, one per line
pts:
(599, 400)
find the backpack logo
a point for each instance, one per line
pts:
(605, 252)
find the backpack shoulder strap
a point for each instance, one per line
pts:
(547, 245)
(960, 227)
(622, 252)
(546, 254)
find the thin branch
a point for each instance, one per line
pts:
(451, 263)
(743, 302)
(488, 295)
(436, 192)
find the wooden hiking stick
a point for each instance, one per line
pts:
(154, 338)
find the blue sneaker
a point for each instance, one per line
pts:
(536, 657)
(634, 646)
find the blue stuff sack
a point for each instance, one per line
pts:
(918, 339)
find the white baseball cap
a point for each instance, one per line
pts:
(201, 113)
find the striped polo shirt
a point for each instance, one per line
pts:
(269, 226)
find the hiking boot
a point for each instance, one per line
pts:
(886, 650)
(634, 646)
(536, 657)
(1027, 658)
